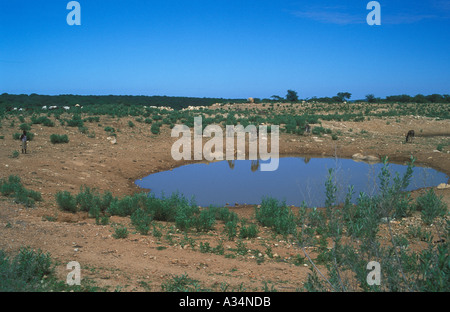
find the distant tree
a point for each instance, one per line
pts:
(420, 98)
(336, 99)
(404, 98)
(292, 96)
(277, 98)
(370, 98)
(344, 96)
(436, 98)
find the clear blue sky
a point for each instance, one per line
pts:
(225, 48)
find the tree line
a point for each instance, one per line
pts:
(292, 96)
(9, 101)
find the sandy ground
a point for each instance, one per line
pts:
(141, 263)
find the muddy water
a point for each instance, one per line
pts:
(297, 179)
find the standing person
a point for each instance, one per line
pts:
(23, 138)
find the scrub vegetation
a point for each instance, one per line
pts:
(336, 242)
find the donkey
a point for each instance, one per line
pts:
(410, 136)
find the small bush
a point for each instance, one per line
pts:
(14, 188)
(66, 201)
(42, 120)
(123, 207)
(141, 220)
(185, 215)
(276, 215)
(87, 199)
(25, 272)
(205, 221)
(181, 283)
(231, 229)
(321, 130)
(92, 119)
(120, 232)
(431, 206)
(155, 129)
(76, 121)
(59, 139)
(109, 129)
(83, 129)
(25, 127)
(248, 231)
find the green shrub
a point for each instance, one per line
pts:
(162, 209)
(248, 231)
(185, 215)
(92, 119)
(141, 220)
(25, 127)
(14, 188)
(431, 206)
(155, 129)
(320, 130)
(181, 283)
(42, 120)
(277, 216)
(205, 220)
(231, 229)
(83, 129)
(123, 207)
(76, 121)
(59, 139)
(66, 201)
(87, 198)
(120, 231)
(9, 187)
(224, 214)
(109, 129)
(28, 271)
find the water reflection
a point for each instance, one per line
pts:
(253, 167)
(296, 180)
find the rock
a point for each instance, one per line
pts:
(443, 186)
(369, 158)
(358, 156)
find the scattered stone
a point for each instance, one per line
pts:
(443, 186)
(369, 158)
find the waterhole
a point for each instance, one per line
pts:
(297, 179)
